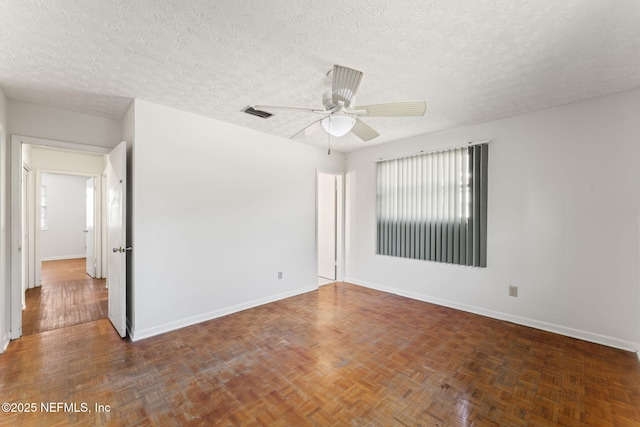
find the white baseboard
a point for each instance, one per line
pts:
(533, 323)
(178, 324)
(5, 343)
(61, 257)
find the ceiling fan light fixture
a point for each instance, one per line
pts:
(338, 125)
(342, 115)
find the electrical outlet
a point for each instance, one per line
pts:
(279, 275)
(513, 291)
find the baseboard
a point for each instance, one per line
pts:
(62, 257)
(5, 342)
(172, 326)
(524, 321)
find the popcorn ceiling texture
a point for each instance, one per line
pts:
(473, 61)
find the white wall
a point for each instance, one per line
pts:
(5, 307)
(64, 237)
(3, 109)
(51, 123)
(563, 225)
(58, 160)
(218, 211)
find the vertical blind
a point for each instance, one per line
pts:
(434, 206)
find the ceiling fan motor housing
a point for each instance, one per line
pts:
(327, 100)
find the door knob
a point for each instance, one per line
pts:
(121, 249)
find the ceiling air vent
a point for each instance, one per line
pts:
(259, 113)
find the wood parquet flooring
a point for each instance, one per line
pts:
(68, 296)
(343, 355)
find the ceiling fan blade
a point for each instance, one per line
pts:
(345, 83)
(394, 109)
(363, 130)
(308, 130)
(288, 108)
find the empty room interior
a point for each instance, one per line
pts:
(320, 213)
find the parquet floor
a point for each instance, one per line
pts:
(341, 356)
(68, 296)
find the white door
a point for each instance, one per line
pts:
(89, 228)
(327, 226)
(117, 238)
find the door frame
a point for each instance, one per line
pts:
(15, 288)
(98, 198)
(95, 219)
(340, 221)
(27, 209)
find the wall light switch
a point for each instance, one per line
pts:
(513, 291)
(279, 275)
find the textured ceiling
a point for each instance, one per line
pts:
(472, 60)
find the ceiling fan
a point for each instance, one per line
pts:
(342, 116)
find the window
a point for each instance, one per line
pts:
(434, 206)
(43, 207)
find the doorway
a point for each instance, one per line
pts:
(55, 229)
(69, 289)
(329, 226)
(66, 213)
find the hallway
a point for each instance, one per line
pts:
(68, 296)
